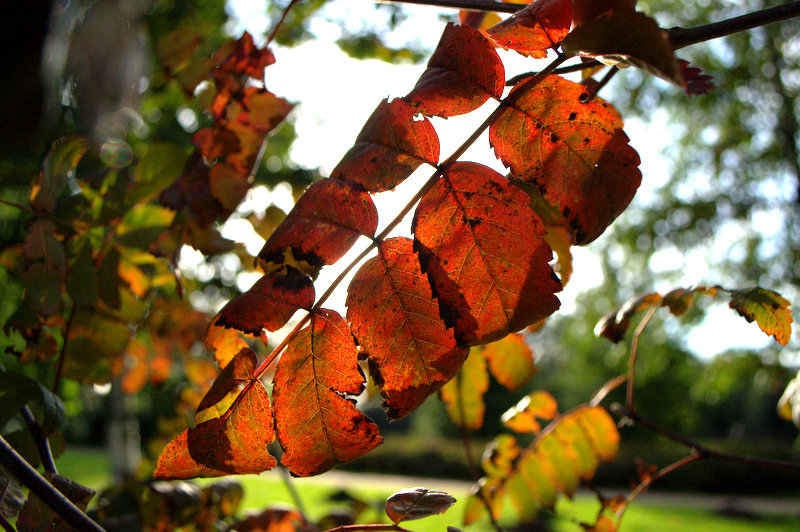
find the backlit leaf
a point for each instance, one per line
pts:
(463, 394)
(576, 153)
(767, 308)
(562, 455)
(274, 520)
(389, 148)
(499, 456)
(535, 28)
(558, 238)
(416, 503)
(789, 403)
(481, 244)
(321, 227)
(522, 416)
(234, 427)
(463, 72)
(626, 36)
(58, 167)
(317, 378)
(395, 319)
(680, 299)
(269, 303)
(264, 110)
(225, 342)
(510, 361)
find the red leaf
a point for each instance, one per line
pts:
(462, 74)
(318, 425)
(576, 153)
(216, 142)
(246, 59)
(323, 225)
(396, 321)
(233, 431)
(535, 28)
(481, 244)
(269, 303)
(389, 148)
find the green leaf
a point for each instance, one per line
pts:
(82, 284)
(767, 308)
(17, 390)
(626, 37)
(158, 168)
(58, 168)
(463, 394)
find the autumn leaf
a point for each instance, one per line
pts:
(536, 405)
(789, 403)
(463, 72)
(615, 323)
(391, 145)
(269, 303)
(416, 503)
(274, 520)
(627, 37)
(679, 300)
(317, 378)
(396, 322)
(36, 515)
(510, 361)
(463, 394)
(263, 110)
(566, 452)
(223, 341)
(534, 29)
(576, 153)
(482, 247)
(767, 308)
(234, 427)
(321, 227)
(697, 82)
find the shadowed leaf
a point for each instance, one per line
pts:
(396, 321)
(463, 72)
(318, 425)
(615, 324)
(269, 303)
(535, 28)
(234, 427)
(481, 244)
(389, 148)
(576, 153)
(321, 227)
(11, 496)
(627, 37)
(59, 165)
(416, 503)
(36, 515)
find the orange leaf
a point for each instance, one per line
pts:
(510, 361)
(269, 303)
(481, 244)
(225, 342)
(396, 321)
(614, 324)
(462, 74)
(318, 425)
(767, 308)
(264, 110)
(389, 148)
(576, 153)
(522, 416)
(535, 28)
(322, 226)
(233, 431)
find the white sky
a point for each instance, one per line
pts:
(336, 94)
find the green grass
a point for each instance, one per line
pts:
(90, 468)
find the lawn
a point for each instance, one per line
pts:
(89, 467)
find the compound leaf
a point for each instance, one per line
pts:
(576, 153)
(391, 145)
(481, 244)
(463, 72)
(396, 321)
(317, 423)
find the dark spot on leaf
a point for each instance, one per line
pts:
(573, 116)
(472, 222)
(554, 137)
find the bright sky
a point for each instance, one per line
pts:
(336, 95)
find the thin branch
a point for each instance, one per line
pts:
(594, 89)
(607, 388)
(681, 37)
(292, 489)
(705, 452)
(278, 25)
(17, 466)
(632, 356)
(369, 527)
(664, 471)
